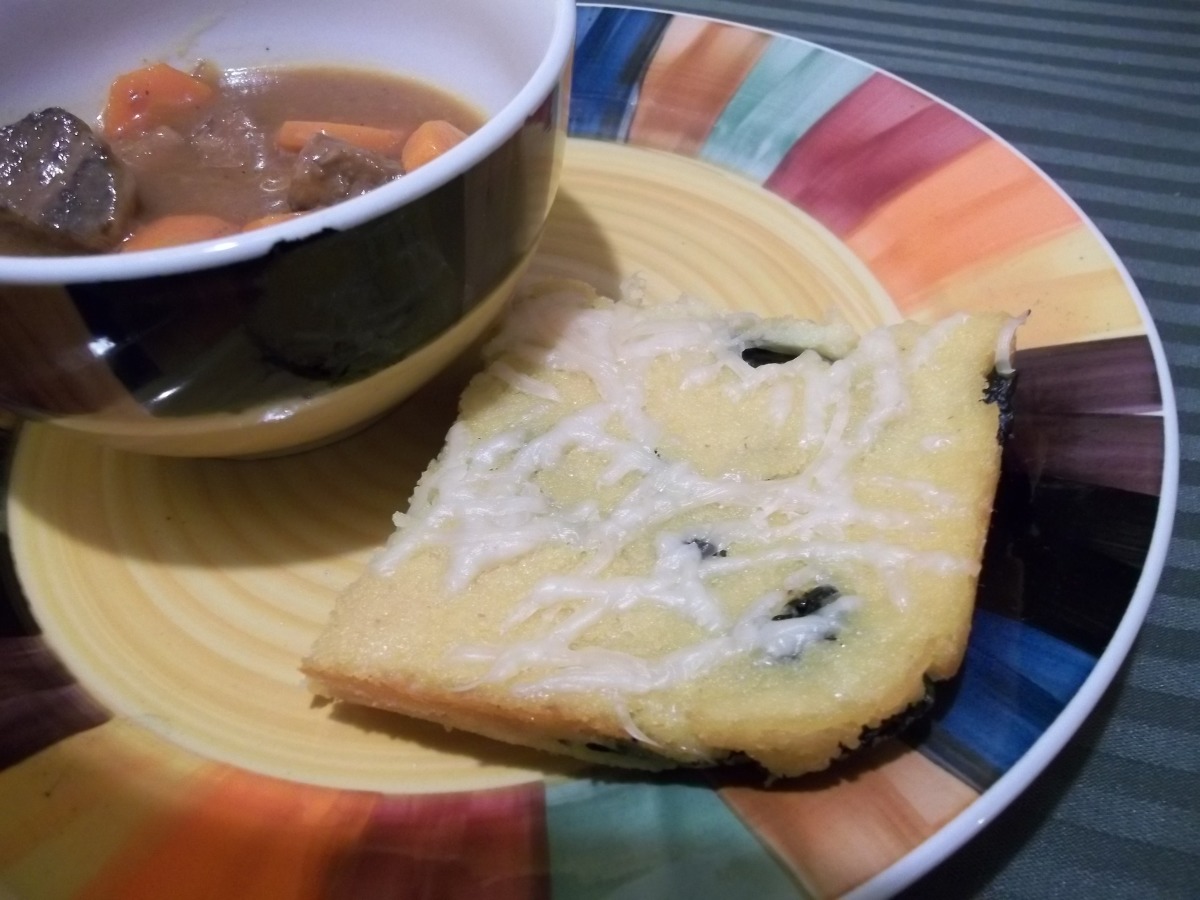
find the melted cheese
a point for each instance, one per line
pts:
(483, 506)
(1005, 342)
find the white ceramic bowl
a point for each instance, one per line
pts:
(171, 351)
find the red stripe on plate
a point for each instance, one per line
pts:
(467, 845)
(883, 137)
(238, 834)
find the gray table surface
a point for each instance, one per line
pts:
(1105, 98)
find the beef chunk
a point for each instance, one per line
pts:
(329, 170)
(62, 189)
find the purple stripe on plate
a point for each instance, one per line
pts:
(40, 703)
(1124, 452)
(451, 846)
(1065, 556)
(1115, 375)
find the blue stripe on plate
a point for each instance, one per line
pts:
(612, 49)
(1014, 682)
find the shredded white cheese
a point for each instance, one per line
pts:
(482, 504)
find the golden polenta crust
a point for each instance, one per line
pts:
(401, 640)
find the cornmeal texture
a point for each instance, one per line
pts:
(661, 535)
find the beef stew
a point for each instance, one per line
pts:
(187, 156)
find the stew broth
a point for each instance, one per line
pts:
(181, 157)
(222, 159)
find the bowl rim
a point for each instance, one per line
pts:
(243, 246)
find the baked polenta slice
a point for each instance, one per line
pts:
(658, 535)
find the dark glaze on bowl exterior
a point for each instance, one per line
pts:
(258, 357)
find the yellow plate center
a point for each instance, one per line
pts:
(183, 593)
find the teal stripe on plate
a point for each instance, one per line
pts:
(793, 85)
(629, 840)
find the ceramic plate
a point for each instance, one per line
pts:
(156, 739)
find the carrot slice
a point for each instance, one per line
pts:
(170, 231)
(430, 140)
(148, 97)
(295, 133)
(270, 219)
